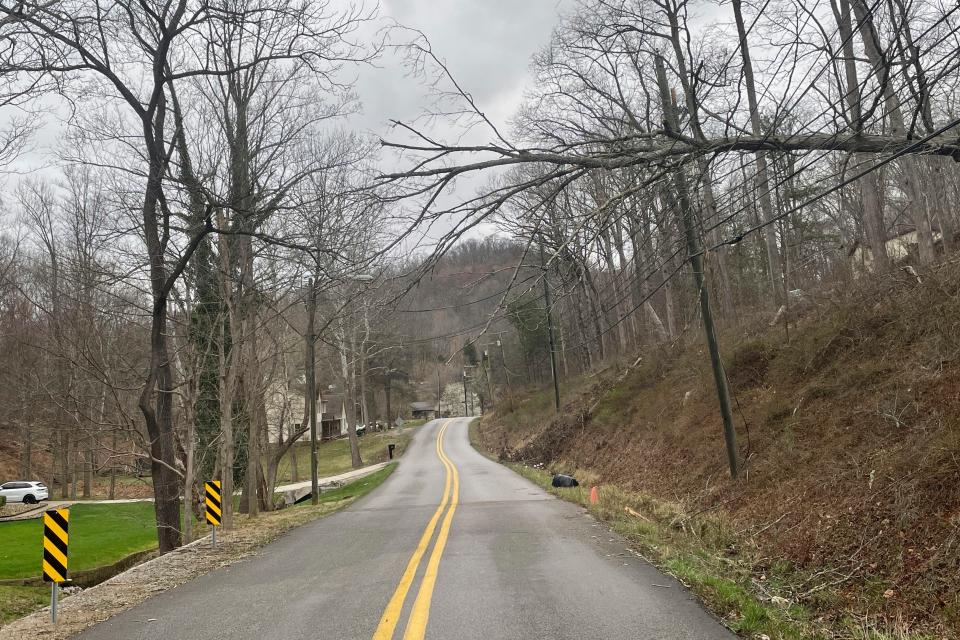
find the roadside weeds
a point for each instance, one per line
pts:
(758, 598)
(706, 557)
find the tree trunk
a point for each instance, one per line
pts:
(26, 450)
(157, 410)
(252, 382)
(874, 228)
(95, 443)
(937, 186)
(156, 406)
(763, 185)
(606, 246)
(364, 409)
(587, 352)
(188, 481)
(719, 256)
(909, 174)
(294, 470)
(685, 211)
(628, 310)
(273, 463)
(88, 467)
(386, 396)
(228, 357)
(156, 398)
(112, 495)
(349, 387)
(74, 457)
(596, 310)
(62, 461)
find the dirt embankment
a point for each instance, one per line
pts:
(850, 437)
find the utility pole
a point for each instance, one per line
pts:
(439, 397)
(487, 370)
(465, 393)
(695, 252)
(506, 372)
(553, 351)
(311, 375)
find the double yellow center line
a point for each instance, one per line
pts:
(420, 613)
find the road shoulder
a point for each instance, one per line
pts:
(748, 605)
(124, 591)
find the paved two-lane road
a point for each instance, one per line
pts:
(452, 546)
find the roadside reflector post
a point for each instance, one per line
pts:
(214, 506)
(55, 553)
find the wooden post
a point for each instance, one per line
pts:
(311, 375)
(695, 254)
(553, 350)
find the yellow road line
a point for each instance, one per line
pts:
(391, 615)
(420, 614)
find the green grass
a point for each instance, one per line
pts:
(100, 534)
(120, 529)
(333, 457)
(19, 601)
(359, 488)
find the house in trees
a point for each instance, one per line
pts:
(902, 247)
(333, 417)
(286, 411)
(426, 410)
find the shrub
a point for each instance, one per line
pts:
(748, 366)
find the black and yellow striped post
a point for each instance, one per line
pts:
(214, 508)
(55, 544)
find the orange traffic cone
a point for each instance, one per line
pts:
(594, 495)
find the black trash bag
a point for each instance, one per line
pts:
(562, 480)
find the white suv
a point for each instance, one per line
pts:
(22, 491)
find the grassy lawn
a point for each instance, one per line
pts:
(19, 601)
(100, 534)
(358, 488)
(334, 456)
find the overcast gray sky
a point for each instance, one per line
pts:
(487, 46)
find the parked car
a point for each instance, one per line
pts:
(30, 492)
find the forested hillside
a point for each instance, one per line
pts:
(848, 503)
